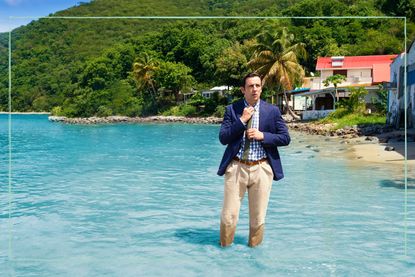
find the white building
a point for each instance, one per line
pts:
(219, 89)
(359, 71)
(396, 92)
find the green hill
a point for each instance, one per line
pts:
(83, 66)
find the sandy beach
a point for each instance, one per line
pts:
(375, 152)
(375, 149)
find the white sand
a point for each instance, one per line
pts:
(376, 153)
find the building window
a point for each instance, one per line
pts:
(340, 72)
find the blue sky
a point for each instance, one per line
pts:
(29, 8)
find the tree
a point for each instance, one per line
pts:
(144, 69)
(231, 65)
(335, 80)
(174, 77)
(276, 58)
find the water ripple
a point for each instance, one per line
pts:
(144, 200)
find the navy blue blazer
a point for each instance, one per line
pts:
(270, 123)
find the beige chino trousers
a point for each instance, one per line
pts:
(239, 178)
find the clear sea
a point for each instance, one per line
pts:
(145, 200)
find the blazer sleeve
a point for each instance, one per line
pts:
(231, 128)
(279, 137)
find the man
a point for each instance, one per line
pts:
(252, 129)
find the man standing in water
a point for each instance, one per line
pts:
(252, 129)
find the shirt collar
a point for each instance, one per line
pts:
(256, 107)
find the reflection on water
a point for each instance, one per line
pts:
(144, 200)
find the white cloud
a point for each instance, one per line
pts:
(13, 2)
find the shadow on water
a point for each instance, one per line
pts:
(399, 184)
(203, 236)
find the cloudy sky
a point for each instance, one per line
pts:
(29, 8)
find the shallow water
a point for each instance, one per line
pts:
(144, 200)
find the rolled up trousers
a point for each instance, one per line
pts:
(239, 178)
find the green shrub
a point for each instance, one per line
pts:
(355, 119)
(57, 111)
(339, 113)
(70, 110)
(134, 107)
(172, 111)
(104, 111)
(188, 110)
(182, 110)
(220, 111)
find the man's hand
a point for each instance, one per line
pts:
(247, 114)
(254, 133)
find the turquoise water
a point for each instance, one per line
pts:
(144, 200)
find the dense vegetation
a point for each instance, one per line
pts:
(85, 67)
(353, 110)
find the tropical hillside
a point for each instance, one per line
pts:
(136, 67)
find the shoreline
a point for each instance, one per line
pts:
(126, 119)
(28, 113)
(367, 144)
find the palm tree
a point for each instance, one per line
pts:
(276, 59)
(143, 71)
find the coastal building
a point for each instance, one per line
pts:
(396, 90)
(221, 90)
(359, 71)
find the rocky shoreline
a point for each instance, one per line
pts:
(126, 119)
(347, 132)
(380, 133)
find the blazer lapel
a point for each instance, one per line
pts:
(239, 108)
(262, 116)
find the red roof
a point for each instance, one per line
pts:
(380, 64)
(355, 61)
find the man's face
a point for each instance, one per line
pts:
(252, 90)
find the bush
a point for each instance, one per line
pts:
(188, 110)
(339, 113)
(70, 110)
(172, 111)
(57, 111)
(182, 110)
(41, 104)
(356, 102)
(104, 111)
(134, 107)
(220, 111)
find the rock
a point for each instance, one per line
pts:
(389, 148)
(117, 119)
(57, 118)
(383, 139)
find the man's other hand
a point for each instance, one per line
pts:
(255, 134)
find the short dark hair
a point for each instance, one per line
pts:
(250, 75)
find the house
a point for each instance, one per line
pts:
(397, 90)
(359, 71)
(218, 89)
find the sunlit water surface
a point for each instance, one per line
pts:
(144, 200)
